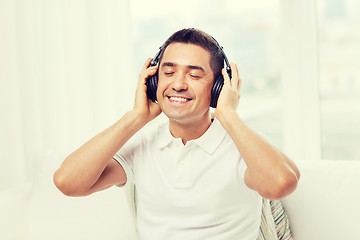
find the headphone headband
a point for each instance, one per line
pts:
(227, 63)
(155, 60)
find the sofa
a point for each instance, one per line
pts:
(325, 206)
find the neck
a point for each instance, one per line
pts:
(189, 130)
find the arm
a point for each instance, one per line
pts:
(91, 167)
(270, 172)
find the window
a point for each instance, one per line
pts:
(339, 81)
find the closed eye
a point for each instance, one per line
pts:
(168, 73)
(194, 76)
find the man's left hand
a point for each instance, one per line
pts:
(230, 93)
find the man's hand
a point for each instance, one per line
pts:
(230, 93)
(144, 107)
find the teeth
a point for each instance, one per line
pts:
(178, 99)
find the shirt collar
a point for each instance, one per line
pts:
(209, 141)
(164, 135)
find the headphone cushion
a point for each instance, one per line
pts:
(216, 89)
(151, 84)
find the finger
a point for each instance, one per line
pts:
(145, 73)
(225, 76)
(239, 83)
(150, 71)
(146, 65)
(234, 75)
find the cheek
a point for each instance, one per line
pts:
(209, 87)
(161, 87)
(205, 92)
(208, 94)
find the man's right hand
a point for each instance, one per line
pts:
(144, 107)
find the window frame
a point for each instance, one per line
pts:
(300, 79)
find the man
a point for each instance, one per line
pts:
(195, 177)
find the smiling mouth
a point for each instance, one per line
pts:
(178, 99)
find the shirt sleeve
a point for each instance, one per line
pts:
(241, 170)
(125, 157)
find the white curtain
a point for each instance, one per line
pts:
(66, 73)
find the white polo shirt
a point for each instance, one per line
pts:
(192, 191)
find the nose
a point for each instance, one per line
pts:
(179, 83)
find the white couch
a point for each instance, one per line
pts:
(325, 206)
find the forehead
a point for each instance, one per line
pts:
(187, 54)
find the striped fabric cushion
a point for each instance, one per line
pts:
(274, 222)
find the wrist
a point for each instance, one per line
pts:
(136, 119)
(228, 118)
(224, 114)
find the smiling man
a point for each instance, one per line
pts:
(185, 82)
(196, 177)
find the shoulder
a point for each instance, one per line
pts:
(151, 132)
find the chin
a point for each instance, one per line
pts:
(176, 116)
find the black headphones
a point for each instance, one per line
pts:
(152, 81)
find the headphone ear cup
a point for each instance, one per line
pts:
(216, 89)
(151, 84)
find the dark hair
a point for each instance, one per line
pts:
(202, 39)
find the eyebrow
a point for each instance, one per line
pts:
(171, 64)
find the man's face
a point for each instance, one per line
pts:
(185, 82)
